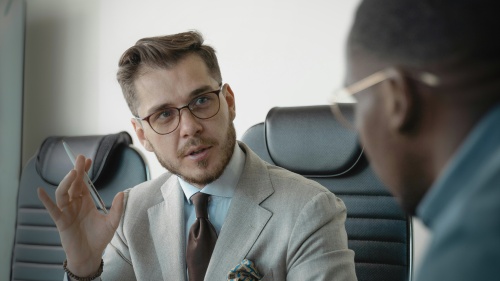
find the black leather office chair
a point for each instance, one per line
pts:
(117, 165)
(310, 141)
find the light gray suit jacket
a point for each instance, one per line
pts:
(292, 228)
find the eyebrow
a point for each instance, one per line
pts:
(191, 95)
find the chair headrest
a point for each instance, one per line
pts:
(53, 163)
(309, 140)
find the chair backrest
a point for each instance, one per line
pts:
(117, 165)
(309, 141)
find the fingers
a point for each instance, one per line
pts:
(63, 197)
(71, 190)
(88, 164)
(78, 187)
(51, 207)
(80, 166)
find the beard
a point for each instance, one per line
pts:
(227, 148)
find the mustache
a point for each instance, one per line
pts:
(195, 142)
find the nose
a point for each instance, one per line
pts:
(189, 125)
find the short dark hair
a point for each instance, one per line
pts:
(416, 32)
(162, 52)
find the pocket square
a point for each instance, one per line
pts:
(245, 271)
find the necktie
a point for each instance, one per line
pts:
(201, 239)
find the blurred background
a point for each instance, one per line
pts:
(58, 61)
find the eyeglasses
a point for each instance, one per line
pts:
(166, 120)
(346, 94)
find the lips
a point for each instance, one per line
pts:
(196, 147)
(193, 152)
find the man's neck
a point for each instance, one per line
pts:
(229, 177)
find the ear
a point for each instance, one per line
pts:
(139, 131)
(229, 96)
(401, 101)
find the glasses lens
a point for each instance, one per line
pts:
(165, 121)
(205, 106)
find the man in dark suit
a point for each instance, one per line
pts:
(425, 78)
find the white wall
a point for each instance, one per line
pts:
(272, 53)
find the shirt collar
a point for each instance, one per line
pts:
(225, 185)
(461, 170)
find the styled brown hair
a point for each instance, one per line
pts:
(162, 52)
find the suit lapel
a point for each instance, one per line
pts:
(168, 232)
(245, 219)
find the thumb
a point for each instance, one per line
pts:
(115, 213)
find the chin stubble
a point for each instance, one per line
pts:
(227, 151)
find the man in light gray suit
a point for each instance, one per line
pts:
(271, 224)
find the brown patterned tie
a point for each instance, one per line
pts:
(201, 240)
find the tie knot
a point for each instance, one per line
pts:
(200, 201)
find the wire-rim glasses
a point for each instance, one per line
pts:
(167, 119)
(346, 94)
